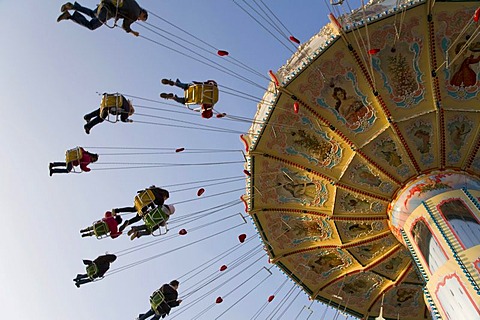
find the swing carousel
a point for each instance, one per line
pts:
(363, 162)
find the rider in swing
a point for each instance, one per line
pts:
(128, 10)
(206, 108)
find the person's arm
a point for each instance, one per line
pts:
(114, 234)
(84, 167)
(124, 117)
(126, 26)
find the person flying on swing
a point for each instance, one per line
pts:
(107, 226)
(159, 218)
(162, 301)
(80, 157)
(159, 197)
(95, 269)
(128, 10)
(203, 93)
(112, 103)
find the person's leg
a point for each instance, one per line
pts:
(58, 164)
(87, 229)
(146, 315)
(80, 276)
(82, 281)
(179, 99)
(87, 11)
(142, 233)
(81, 20)
(94, 113)
(58, 171)
(134, 219)
(182, 85)
(89, 234)
(92, 123)
(125, 209)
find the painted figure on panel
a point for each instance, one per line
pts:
(326, 262)
(318, 148)
(350, 108)
(465, 75)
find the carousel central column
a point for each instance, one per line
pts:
(437, 217)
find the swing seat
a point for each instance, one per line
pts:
(92, 270)
(74, 154)
(156, 299)
(201, 94)
(156, 217)
(100, 229)
(111, 104)
(142, 200)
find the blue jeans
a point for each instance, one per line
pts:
(95, 22)
(148, 315)
(182, 85)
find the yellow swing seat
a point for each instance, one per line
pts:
(201, 94)
(142, 200)
(111, 104)
(156, 299)
(100, 229)
(156, 217)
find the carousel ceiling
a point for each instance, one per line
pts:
(382, 96)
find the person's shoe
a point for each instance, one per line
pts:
(86, 118)
(64, 16)
(77, 285)
(134, 235)
(50, 166)
(51, 172)
(66, 6)
(131, 231)
(168, 81)
(87, 129)
(166, 95)
(85, 235)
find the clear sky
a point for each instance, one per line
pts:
(50, 74)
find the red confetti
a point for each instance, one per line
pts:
(271, 298)
(247, 173)
(476, 15)
(179, 149)
(219, 300)
(222, 53)
(182, 232)
(200, 192)
(373, 51)
(242, 237)
(223, 268)
(221, 115)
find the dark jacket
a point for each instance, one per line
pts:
(129, 12)
(171, 301)
(159, 195)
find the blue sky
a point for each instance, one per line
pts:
(50, 75)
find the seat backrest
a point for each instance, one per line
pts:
(111, 101)
(100, 228)
(201, 94)
(155, 217)
(92, 270)
(74, 154)
(156, 299)
(143, 199)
